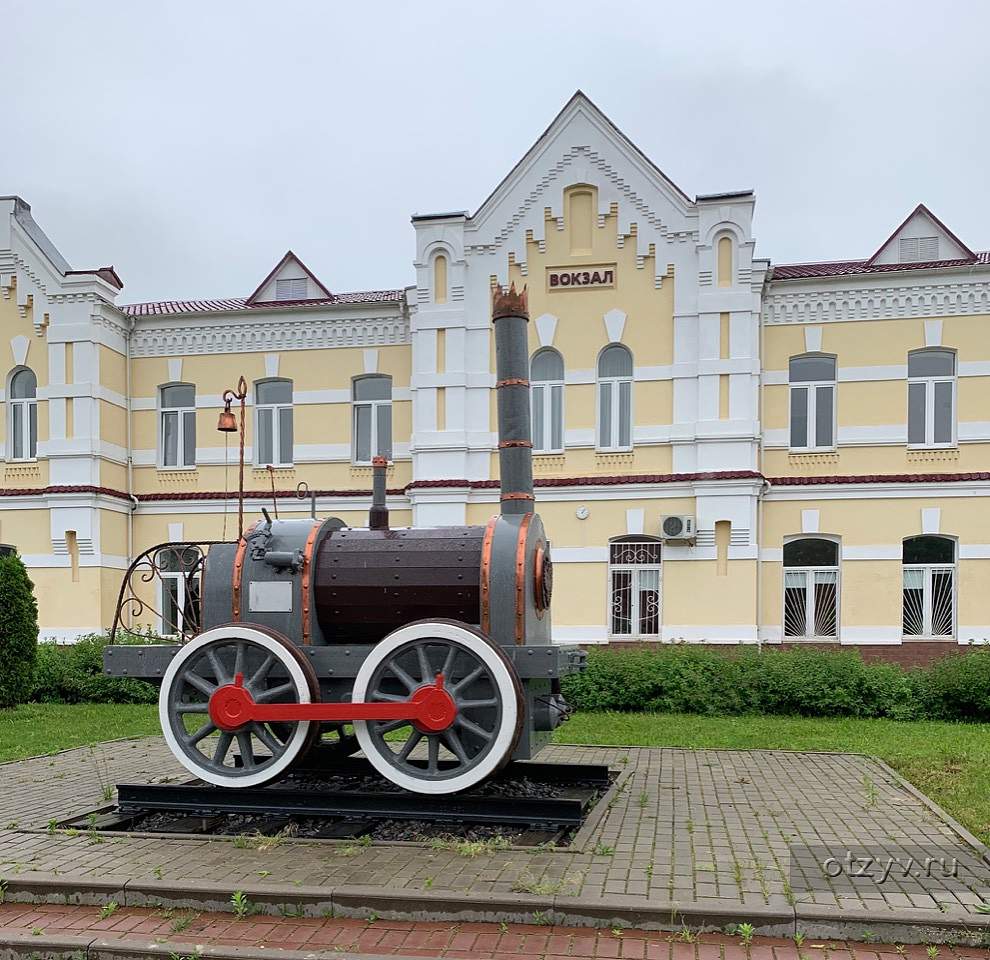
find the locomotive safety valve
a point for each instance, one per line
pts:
(430, 708)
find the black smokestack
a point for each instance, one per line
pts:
(378, 515)
(510, 315)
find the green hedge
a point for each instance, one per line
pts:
(809, 682)
(18, 631)
(73, 673)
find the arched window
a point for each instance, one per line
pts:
(931, 397)
(634, 587)
(812, 379)
(615, 380)
(22, 423)
(547, 377)
(177, 429)
(440, 278)
(811, 588)
(929, 608)
(273, 423)
(372, 418)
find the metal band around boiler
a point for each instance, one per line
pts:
(486, 573)
(307, 578)
(521, 578)
(235, 592)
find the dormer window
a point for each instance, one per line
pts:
(291, 289)
(918, 249)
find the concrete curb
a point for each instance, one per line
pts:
(363, 901)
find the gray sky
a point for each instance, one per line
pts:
(191, 143)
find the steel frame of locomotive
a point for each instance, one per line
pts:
(433, 645)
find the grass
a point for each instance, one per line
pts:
(950, 762)
(34, 729)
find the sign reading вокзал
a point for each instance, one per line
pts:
(594, 276)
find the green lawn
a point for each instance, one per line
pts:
(950, 762)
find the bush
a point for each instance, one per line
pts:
(73, 673)
(18, 631)
(804, 682)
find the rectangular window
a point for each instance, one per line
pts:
(929, 601)
(813, 416)
(547, 401)
(266, 435)
(931, 412)
(615, 414)
(372, 430)
(178, 426)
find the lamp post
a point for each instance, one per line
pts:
(228, 424)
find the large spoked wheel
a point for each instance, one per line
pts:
(480, 681)
(255, 753)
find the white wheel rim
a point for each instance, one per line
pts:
(504, 682)
(191, 650)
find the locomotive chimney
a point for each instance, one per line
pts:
(510, 315)
(378, 515)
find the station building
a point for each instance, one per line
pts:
(727, 450)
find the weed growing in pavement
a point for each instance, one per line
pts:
(270, 843)
(687, 936)
(52, 825)
(182, 923)
(616, 932)
(291, 910)
(264, 873)
(36, 931)
(242, 906)
(689, 826)
(870, 791)
(108, 909)
(868, 936)
(789, 894)
(13, 825)
(746, 932)
(544, 888)
(737, 873)
(470, 848)
(932, 952)
(158, 873)
(185, 956)
(542, 919)
(983, 908)
(3, 890)
(427, 883)
(799, 939)
(603, 850)
(242, 842)
(644, 799)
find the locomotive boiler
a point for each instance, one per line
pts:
(427, 649)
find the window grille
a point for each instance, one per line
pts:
(634, 589)
(273, 423)
(372, 418)
(929, 593)
(811, 589)
(547, 376)
(180, 591)
(177, 430)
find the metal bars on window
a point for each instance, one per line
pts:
(635, 589)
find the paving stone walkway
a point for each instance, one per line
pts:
(184, 934)
(771, 836)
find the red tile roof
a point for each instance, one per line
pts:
(160, 308)
(846, 268)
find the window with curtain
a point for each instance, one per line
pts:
(273, 423)
(634, 587)
(929, 600)
(615, 380)
(812, 380)
(931, 398)
(22, 401)
(811, 589)
(177, 430)
(547, 378)
(372, 418)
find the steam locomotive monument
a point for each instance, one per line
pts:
(433, 644)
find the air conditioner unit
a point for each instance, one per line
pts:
(677, 528)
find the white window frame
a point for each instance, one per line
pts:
(635, 570)
(809, 594)
(615, 390)
(181, 438)
(811, 386)
(929, 383)
(543, 410)
(928, 571)
(25, 405)
(276, 409)
(373, 405)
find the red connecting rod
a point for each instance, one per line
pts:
(430, 708)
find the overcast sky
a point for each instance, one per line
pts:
(191, 143)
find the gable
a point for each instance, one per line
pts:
(582, 146)
(290, 280)
(921, 238)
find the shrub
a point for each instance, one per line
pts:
(805, 682)
(73, 673)
(956, 688)
(18, 631)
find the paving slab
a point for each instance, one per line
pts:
(687, 839)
